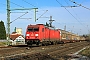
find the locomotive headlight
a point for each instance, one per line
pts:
(36, 34)
(27, 35)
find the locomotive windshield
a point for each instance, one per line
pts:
(33, 29)
(30, 29)
(36, 29)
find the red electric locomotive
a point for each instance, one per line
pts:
(40, 34)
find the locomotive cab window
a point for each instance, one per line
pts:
(30, 29)
(36, 29)
(33, 29)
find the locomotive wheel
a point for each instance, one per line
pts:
(43, 44)
(29, 43)
(37, 43)
(54, 43)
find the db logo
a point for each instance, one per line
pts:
(32, 34)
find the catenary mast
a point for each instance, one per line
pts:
(8, 21)
(8, 18)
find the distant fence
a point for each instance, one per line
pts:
(3, 40)
(11, 42)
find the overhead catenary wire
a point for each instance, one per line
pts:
(69, 12)
(17, 4)
(42, 14)
(37, 11)
(29, 3)
(77, 16)
(23, 8)
(83, 24)
(69, 4)
(72, 9)
(19, 17)
(74, 12)
(79, 4)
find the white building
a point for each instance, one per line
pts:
(17, 39)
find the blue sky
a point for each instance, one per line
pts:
(76, 19)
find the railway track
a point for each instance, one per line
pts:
(43, 52)
(66, 50)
